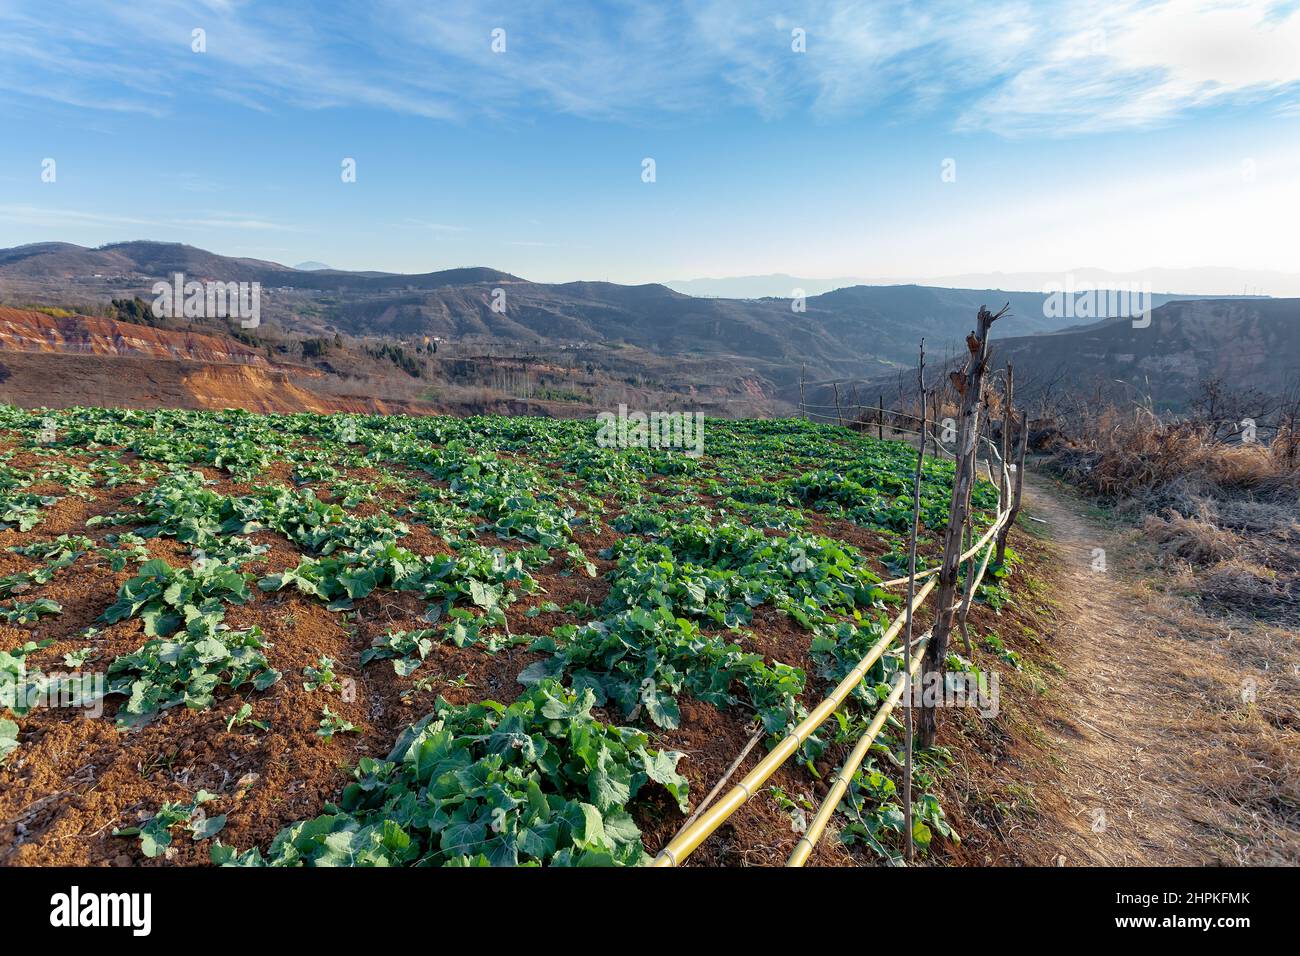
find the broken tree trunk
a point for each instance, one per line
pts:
(969, 384)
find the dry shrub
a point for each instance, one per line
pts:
(1249, 588)
(1230, 511)
(1195, 540)
(1125, 454)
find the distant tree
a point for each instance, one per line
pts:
(136, 311)
(314, 348)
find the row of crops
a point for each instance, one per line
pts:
(190, 515)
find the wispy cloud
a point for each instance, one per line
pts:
(56, 217)
(435, 226)
(1136, 65)
(29, 215)
(1011, 66)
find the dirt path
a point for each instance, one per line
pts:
(1121, 794)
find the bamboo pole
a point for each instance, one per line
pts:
(907, 628)
(717, 787)
(989, 532)
(988, 553)
(690, 837)
(803, 849)
(696, 831)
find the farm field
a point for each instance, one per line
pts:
(381, 640)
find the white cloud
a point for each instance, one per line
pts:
(1137, 65)
(1012, 66)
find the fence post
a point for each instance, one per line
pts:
(1008, 399)
(880, 414)
(968, 590)
(911, 594)
(970, 389)
(1005, 531)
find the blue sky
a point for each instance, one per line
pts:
(1113, 135)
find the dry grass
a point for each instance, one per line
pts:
(1195, 540)
(1224, 514)
(1130, 453)
(1248, 588)
(1237, 729)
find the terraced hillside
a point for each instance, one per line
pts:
(356, 640)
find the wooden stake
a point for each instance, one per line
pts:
(1009, 391)
(967, 592)
(1019, 485)
(970, 388)
(907, 627)
(722, 781)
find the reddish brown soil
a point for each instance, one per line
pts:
(74, 779)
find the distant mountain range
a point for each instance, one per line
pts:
(1244, 344)
(1247, 345)
(838, 332)
(756, 347)
(1208, 282)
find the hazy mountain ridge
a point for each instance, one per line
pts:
(858, 333)
(1207, 282)
(1246, 344)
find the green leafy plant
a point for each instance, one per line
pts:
(321, 676)
(8, 738)
(537, 781)
(332, 723)
(188, 668)
(156, 833)
(29, 612)
(244, 717)
(167, 598)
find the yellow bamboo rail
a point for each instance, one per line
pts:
(692, 835)
(695, 832)
(992, 530)
(803, 849)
